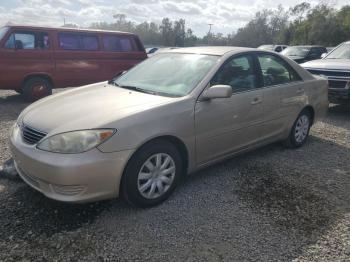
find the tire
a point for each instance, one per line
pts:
(36, 88)
(300, 130)
(143, 186)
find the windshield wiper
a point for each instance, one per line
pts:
(134, 88)
(138, 89)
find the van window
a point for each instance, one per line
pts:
(28, 40)
(69, 41)
(117, 43)
(89, 42)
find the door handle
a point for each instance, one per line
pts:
(256, 101)
(300, 90)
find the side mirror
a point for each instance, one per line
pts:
(217, 91)
(323, 55)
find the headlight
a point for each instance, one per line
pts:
(75, 141)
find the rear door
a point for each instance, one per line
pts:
(24, 53)
(283, 94)
(226, 125)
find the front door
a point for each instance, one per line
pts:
(25, 53)
(226, 125)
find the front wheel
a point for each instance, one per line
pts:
(300, 130)
(152, 174)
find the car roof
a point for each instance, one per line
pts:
(210, 50)
(29, 27)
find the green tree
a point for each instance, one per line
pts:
(166, 29)
(179, 32)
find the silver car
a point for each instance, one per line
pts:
(173, 114)
(335, 66)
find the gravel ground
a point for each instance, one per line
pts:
(272, 204)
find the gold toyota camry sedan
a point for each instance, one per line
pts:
(181, 110)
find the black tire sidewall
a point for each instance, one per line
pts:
(292, 139)
(30, 83)
(129, 180)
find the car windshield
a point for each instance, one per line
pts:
(168, 74)
(266, 47)
(296, 51)
(342, 52)
(3, 31)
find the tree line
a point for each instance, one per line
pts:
(298, 25)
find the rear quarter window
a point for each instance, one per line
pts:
(117, 43)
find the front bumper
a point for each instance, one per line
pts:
(76, 178)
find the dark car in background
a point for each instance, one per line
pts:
(274, 48)
(301, 54)
(329, 49)
(335, 66)
(34, 60)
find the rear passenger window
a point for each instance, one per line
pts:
(238, 73)
(28, 40)
(69, 41)
(275, 71)
(117, 43)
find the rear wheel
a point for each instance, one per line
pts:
(152, 174)
(300, 130)
(36, 88)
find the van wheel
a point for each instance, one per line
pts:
(300, 130)
(152, 174)
(36, 88)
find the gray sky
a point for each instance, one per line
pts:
(226, 15)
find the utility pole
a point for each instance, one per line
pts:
(64, 21)
(209, 33)
(210, 25)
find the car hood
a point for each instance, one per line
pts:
(94, 106)
(336, 64)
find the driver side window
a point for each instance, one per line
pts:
(28, 40)
(237, 72)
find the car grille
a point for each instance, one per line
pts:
(337, 84)
(330, 73)
(32, 136)
(336, 78)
